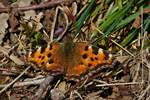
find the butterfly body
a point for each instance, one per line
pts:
(72, 59)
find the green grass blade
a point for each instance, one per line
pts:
(85, 15)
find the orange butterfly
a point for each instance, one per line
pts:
(71, 59)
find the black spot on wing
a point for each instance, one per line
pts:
(96, 58)
(42, 63)
(49, 54)
(92, 59)
(39, 56)
(42, 57)
(89, 65)
(84, 56)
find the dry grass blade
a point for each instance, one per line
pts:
(11, 83)
(144, 92)
(115, 84)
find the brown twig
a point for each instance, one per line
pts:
(11, 83)
(26, 83)
(39, 6)
(54, 23)
(43, 86)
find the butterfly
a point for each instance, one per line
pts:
(70, 58)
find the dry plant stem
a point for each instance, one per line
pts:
(123, 48)
(54, 23)
(3, 62)
(67, 24)
(11, 83)
(137, 73)
(81, 11)
(142, 43)
(116, 43)
(26, 83)
(76, 92)
(57, 84)
(43, 87)
(100, 81)
(143, 94)
(8, 70)
(33, 7)
(116, 84)
(83, 83)
(13, 73)
(8, 74)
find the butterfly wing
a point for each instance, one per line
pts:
(47, 58)
(72, 59)
(87, 58)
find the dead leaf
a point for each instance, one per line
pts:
(3, 25)
(57, 94)
(137, 23)
(12, 56)
(29, 14)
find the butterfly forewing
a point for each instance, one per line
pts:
(49, 59)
